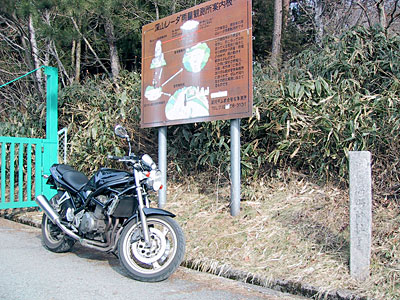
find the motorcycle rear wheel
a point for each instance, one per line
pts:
(53, 238)
(159, 261)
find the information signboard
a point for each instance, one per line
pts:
(197, 65)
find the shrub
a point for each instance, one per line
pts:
(91, 110)
(344, 97)
(326, 102)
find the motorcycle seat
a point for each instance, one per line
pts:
(74, 178)
(64, 168)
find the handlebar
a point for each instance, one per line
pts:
(122, 158)
(114, 157)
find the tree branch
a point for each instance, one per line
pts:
(365, 11)
(393, 17)
(11, 43)
(89, 46)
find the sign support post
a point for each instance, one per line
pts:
(162, 163)
(235, 167)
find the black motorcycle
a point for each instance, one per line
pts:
(111, 212)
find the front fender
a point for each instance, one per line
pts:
(149, 211)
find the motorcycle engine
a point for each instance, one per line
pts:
(93, 222)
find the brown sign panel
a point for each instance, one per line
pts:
(197, 65)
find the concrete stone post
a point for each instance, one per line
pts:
(360, 214)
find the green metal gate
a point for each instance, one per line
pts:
(24, 161)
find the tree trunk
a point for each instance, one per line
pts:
(380, 5)
(157, 10)
(63, 71)
(35, 54)
(89, 46)
(173, 7)
(393, 15)
(52, 49)
(73, 51)
(286, 7)
(319, 25)
(78, 60)
(277, 34)
(76, 56)
(115, 65)
(23, 36)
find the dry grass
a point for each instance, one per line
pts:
(287, 229)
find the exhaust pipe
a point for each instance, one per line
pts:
(48, 210)
(44, 204)
(54, 216)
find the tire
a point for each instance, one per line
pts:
(164, 256)
(53, 238)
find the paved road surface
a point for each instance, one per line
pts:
(30, 272)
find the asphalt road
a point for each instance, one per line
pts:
(29, 271)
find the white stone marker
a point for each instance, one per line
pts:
(360, 214)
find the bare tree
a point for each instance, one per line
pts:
(277, 34)
(394, 14)
(35, 54)
(78, 59)
(286, 8)
(89, 45)
(342, 15)
(380, 6)
(319, 24)
(155, 2)
(48, 16)
(76, 55)
(115, 65)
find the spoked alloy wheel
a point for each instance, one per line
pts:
(53, 238)
(161, 259)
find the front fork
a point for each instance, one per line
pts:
(142, 216)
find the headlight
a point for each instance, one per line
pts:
(148, 162)
(154, 181)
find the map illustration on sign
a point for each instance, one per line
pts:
(196, 57)
(158, 60)
(197, 65)
(154, 91)
(188, 102)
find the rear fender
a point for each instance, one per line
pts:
(50, 181)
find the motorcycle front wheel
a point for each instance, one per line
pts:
(161, 259)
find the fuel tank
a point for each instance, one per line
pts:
(105, 178)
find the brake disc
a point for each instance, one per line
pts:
(149, 255)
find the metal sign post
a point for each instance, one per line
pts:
(235, 167)
(162, 164)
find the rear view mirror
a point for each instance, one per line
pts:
(121, 132)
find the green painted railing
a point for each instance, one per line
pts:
(24, 161)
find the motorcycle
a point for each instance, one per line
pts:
(111, 212)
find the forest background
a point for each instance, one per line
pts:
(326, 82)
